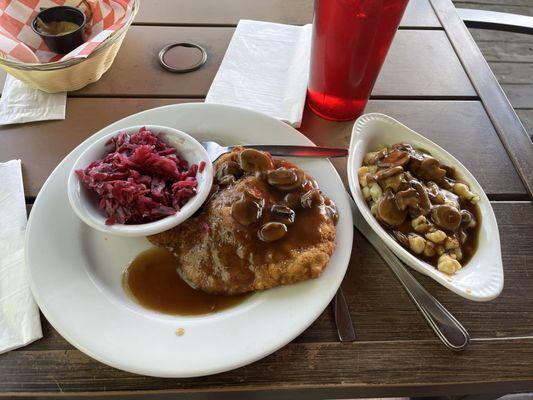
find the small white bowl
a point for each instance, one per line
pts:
(84, 202)
(479, 280)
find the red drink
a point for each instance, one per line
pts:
(350, 41)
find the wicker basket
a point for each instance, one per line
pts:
(73, 74)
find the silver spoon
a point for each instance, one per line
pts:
(448, 329)
(215, 150)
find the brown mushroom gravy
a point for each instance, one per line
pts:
(281, 210)
(423, 204)
(153, 281)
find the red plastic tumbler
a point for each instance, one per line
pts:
(350, 41)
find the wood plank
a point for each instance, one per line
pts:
(442, 121)
(420, 63)
(361, 369)
(488, 3)
(507, 51)
(382, 311)
(520, 95)
(512, 73)
(505, 121)
(228, 12)
(523, 7)
(526, 116)
(490, 35)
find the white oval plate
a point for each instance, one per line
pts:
(482, 278)
(76, 271)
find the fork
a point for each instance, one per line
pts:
(215, 150)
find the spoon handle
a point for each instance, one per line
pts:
(448, 329)
(301, 151)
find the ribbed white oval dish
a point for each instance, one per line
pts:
(482, 278)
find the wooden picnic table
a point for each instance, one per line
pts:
(434, 80)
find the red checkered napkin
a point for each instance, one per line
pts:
(18, 41)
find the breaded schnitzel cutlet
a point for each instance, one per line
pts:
(259, 229)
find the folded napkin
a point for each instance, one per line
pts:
(21, 103)
(266, 68)
(19, 315)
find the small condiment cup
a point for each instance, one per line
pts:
(63, 43)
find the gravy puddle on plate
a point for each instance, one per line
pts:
(152, 280)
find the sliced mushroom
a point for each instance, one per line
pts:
(427, 168)
(373, 157)
(404, 183)
(424, 205)
(407, 198)
(228, 168)
(254, 195)
(331, 210)
(246, 211)
(462, 237)
(450, 171)
(272, 231)
(311, 183)
(252, 160)
(451, 198)
(387, 173)
(286, 178)
(283, 214)
(467, 219)
(430, 170)
(395, 158)
(281, 176)
(311, 198)
(388, 212)
(446, 217)
(403, 147)
(292, 200)
(401, 238)
(226, 180)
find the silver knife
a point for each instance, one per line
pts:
(215, 150)
(448, 329)
(343, 320)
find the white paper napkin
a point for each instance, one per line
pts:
(266, 68)
(19, 316)
(21, 103)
